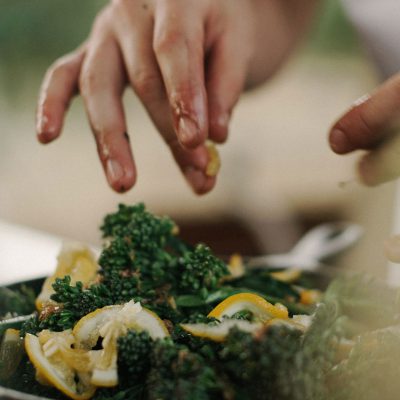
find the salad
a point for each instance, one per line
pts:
(156, 318)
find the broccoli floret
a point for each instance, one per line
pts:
(275, 364)
(134, 351)
(135, 392)
(117, 256)
(144, 260)
(178, 373)
(77, 299)
(200, 270)
(138, 258)
(32, 325)
(146, 232)
(74, 303)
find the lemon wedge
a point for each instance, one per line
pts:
(109, 323)
(261, 308)
(75, 260)
(218, 332)
(59, 365)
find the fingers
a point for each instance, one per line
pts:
(59, 86)
(193, 164)
(370, 121)
(135, 35)
(226, 74)
(179, 50)
(102, 82)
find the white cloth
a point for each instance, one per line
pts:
(378, 24)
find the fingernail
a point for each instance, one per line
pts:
(41, 123)
(114, 171)
(339, 142)
(195, 178)
(361, 100)
(188, 130)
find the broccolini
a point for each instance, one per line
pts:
(144, 260)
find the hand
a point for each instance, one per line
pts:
(373, 124)
(187, 60)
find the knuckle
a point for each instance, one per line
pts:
(121, 4)
(167, 39)
(88, 82)
(99, 20)
(103, 20)
(60, 68)
(144, 82)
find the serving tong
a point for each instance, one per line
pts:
(318, 244)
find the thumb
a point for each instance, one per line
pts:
(370, 121)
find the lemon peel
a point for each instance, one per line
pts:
(59, 365)
(261, 308)
(110, 323)
(218, 332)
(287, 275)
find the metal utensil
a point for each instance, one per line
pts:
(318, 244)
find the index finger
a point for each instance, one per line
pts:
(369, 121)
(180, 56)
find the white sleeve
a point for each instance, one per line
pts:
(378, 25)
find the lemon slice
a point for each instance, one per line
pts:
(126, 316)
(60, 365)
(236, 268)
(310, 296)
(287, 275)
(11, 352)
(299, 322)
(261, 308)
(218, 333)
(109, 323)
(75, 260)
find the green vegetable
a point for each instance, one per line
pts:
(144, 259)
(16, 302)
(133, 355)
(178, 373)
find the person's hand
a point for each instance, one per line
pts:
(373, 124)
(187, 60)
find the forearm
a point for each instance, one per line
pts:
(280, 25)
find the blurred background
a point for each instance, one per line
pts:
(278, 175)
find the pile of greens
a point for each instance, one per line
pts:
(345, 354)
